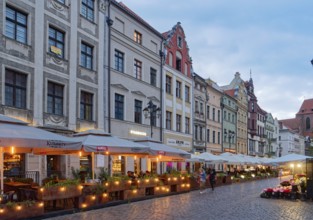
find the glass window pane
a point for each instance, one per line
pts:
(51, 33)
(9, 29)
(60, 36)
(9, 95)
(21, 18)
(89, 62)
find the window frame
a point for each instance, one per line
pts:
(178, 89)
(138, 111)
(119, 60)
(187, 93)
(84, 55)
(187, 125)
(54, 96)
(85, 105)
(168, 87)
(56, 41)
(168, 120)
(119, 106)
(16, 89)
(16, 24)
(178, 123)
(85, 4)
(138, 69)
(153, 77)
(138, 37)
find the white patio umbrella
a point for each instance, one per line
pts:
(290, 158)
(16, 136)
(158, 148)
(211, 158)
(100, 141)
(195, 158)
(232, 158)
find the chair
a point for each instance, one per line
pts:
(9, 196)
(28, 194)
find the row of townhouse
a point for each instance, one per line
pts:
(69, 66)
(229, 119)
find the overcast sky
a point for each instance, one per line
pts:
(272, 38)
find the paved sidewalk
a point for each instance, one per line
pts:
(239, 201)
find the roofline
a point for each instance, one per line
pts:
(141, 21)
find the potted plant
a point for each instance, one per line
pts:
(93, 195)
(21, 210)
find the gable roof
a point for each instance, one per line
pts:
(306, 107)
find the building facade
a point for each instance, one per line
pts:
(229, 110)
(237, 90)
(178, 94)
(199, 115)
(214, 134)
(52, 71)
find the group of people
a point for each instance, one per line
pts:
(203, 176)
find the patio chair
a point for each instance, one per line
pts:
(9, 196)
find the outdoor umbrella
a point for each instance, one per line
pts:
(100, 141)
(232, 158)
(195, 158)
(211, 158)
(290, 158)
(158, 148)
(17, 136)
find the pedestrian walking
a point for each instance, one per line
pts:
(212, 178)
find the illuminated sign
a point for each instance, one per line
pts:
(141, 133)
(102, 148)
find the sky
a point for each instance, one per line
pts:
(272, 39)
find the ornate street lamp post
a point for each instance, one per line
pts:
(153, 112)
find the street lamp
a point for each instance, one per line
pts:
(230, 135)
(152, 112)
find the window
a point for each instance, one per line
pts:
(119, 106)
(170, 59)
(61, 1)
(86, 106)
(187, 94)
(197, 106)
(55, 98)
(200, 132)
(228, 116)
(218, 115)
(214, 137)
(196, 132)
(153, 76)
(168, 84)
(137, 69)
(56, 42)
(225, 115)
(119, 61)
(16, 25)
(137, 37)
(208, 135)
(307, 123)
(168, 120)
(179, 42)
(138, 111)
(213, 114)
(15, 89)
(233, 118)
(87, 9)
(201, 108)
(218, 137)
(208, 112)
(178, 64)
(86, 56)
(178, 89)
(187, 125)
(178, 123)
(225, 135)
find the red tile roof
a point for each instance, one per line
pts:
(230, 92)
(292, 123)
(306, 107)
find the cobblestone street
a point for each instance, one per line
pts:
(233, 202)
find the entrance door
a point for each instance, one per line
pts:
(53, 166)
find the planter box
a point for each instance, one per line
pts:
(118, 186)
(21, 212)
(161, 190)
(183, 187)
(57, 192)
(135, 193)
(93, 200)
(147, 183)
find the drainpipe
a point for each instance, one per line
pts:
(162, 59)
(109, 22)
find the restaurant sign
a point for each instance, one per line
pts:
(179, 143)
(102, 148)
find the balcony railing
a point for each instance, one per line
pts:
(23, 174)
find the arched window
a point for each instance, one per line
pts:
(307, 123)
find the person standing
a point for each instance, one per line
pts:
(202, 179)
(212, 178)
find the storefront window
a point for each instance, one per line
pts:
(13, 164)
